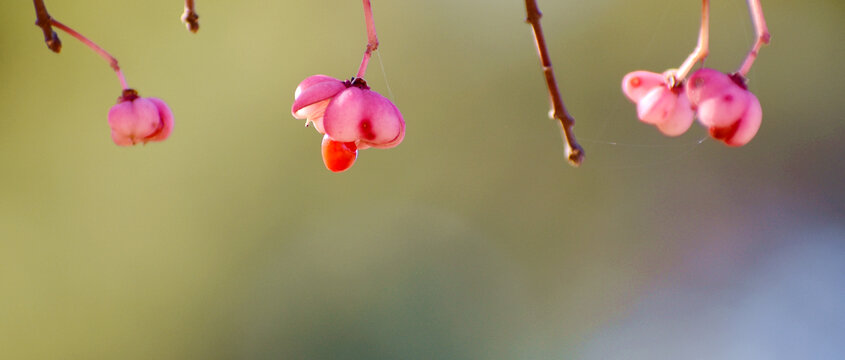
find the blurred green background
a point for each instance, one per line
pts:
(471, 240)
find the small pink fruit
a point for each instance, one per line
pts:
(718, 99)
(657, 103)
(139, 120)
(742, 130)
(361, 115)
(677, 115)
(312, 96)
(637, 84)
(724, 105)
(706, 83)
(350, 115)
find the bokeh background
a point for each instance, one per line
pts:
(472, 240)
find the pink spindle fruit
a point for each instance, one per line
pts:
(724, 105)
(718, 99)
(743, 129)
(657, 103)
(312, 96)
(637, 84)
(350, 115)
(136, 119)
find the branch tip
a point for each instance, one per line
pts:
(574, 155)
(190, 17)
(45, 22)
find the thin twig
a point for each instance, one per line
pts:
(190, 17)
(574, 152)
(44, 21)
(372, 39)
(97, 49)
(762, 32)
(702, 49)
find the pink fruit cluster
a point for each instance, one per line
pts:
(349, 115)
(136, 119)
(721, 102)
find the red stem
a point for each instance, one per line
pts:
(372, 39)
(573, 151)
(701, 50)
(97, 49)
(762, 31)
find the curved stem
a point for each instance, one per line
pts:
(702, 49)
(573, 151)
(44, 21)
(97, 49)
(372, 39)
(762, 32)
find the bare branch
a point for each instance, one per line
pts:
(574, 152)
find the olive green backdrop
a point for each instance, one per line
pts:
(471, 240)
